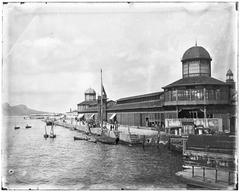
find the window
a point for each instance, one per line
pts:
(223, 94)
(168, 96)
(199, 94)
(193, 94)
(217, 94)
(194, 67)
(185, 69)
(210, 94)
(204, 68)
(181, 95)
(187, 92)
(174, 95)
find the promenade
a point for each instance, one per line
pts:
(128, 134)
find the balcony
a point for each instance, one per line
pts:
(195, 102)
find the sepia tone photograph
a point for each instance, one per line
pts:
(119, 96)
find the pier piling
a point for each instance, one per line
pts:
(192, 171)
(203, 173)
(216, 176)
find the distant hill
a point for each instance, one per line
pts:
(18, 110)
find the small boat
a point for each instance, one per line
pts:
(186, 167)
(107, 140)
(93, 140)
(17, 127)
(45, 134)
(49, 123)
(52, 134)
(28, 126)
(81, 138)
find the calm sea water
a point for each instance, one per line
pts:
(30, 161)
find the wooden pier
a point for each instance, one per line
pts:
(211, 162)
(204, 177)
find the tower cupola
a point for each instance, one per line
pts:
(90, 95)
(229, 76)
(196, 61)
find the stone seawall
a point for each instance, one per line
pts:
(126, 134)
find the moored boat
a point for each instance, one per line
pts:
(45, 134)
(17, 127)
(107, 140)
(81, 138)
(52, 136)
(28, 126)
(49, 123)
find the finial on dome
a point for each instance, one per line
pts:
(196, 43)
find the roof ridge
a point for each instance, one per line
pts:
(201, 80)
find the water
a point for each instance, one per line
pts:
(30, 161)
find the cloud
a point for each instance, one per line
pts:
(61, 50)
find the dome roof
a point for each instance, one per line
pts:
(229, 73)
(196, 52)
(90, 91)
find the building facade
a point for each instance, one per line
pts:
(197, 96)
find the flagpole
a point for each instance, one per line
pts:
(101, 110)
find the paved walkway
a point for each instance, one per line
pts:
(137, 131)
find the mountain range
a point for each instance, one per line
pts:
(18, 110)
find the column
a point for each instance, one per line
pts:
(177, 111)
(205, 112)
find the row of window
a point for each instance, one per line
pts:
(194, 68)
(196, 94)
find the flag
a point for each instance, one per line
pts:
(104, 92)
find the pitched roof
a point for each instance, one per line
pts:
(199, 80)
(137, 105)
(88, 103)
(229, 72)
(140, 96)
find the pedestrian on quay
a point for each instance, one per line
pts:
(144, 140)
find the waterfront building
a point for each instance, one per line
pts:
(88, 108)
(195, 99)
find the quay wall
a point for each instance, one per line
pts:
(127, 134)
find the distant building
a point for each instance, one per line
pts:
(90, 100)
(194, 97)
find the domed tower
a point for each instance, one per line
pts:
(229, 76)
(196, 61)
(90, 95)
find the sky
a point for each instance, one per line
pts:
(53, 52)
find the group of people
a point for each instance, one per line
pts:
(158, 125)
(113, 125)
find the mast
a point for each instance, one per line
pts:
(101, 110)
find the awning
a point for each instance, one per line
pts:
(113, 115)
(92, 116)
(80, 116)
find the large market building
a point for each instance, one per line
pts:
(195, 98)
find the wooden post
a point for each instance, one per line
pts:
(184, 146)
(192, 171)
(203, 173)
(229, 178)
(216, 176)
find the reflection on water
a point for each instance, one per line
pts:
(62, 163)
